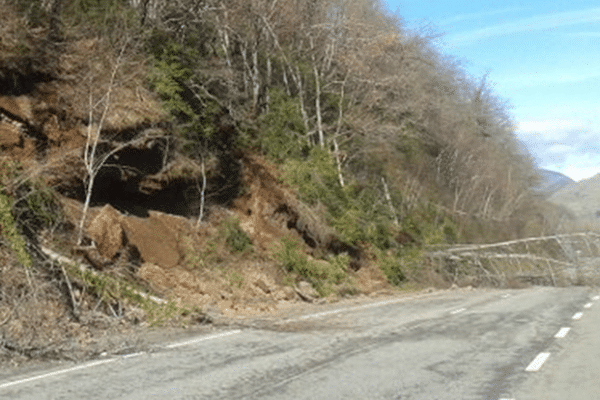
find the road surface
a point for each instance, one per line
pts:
(479, 344)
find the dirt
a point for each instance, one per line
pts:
(142, 222)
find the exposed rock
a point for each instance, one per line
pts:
(154, 238)
(306, 291)
(106, 230)
(19, 107)
(93, 257)
(286, 293)
(263, 286)
(9, 135)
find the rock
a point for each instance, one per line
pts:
(106, 230)
(154, 239)
(285, 293)
(307, 288)
(306, 291)
(19, 107)
(263, 286)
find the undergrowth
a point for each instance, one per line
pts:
(111, 289)
(322, 275)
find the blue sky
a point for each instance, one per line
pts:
(542, 56)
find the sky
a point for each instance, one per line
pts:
(543, 57)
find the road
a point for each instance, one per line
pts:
(479, 344)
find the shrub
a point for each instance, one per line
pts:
(8, 229)
(282, 129)
(402, 265)
(237, 240)
(321, 274)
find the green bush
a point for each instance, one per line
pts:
(282, 132)
(104, 17)
(321, 274)
(317, 181)
(8, 230)
(237, 240)
(402, 265)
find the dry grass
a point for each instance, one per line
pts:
(87, 67)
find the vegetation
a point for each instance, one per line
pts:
(388, 140)
(323, 275)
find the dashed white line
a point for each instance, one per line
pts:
(562, 333)
(202, 339)
(588, 305)
(578, 315)
(596, 298)
(504, 296)
(458, 311)
(537, 362)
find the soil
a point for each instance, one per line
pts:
(142, 225)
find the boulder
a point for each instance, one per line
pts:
(106, 230)
(155, 238)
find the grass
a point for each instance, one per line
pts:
(112, 289)
(324, 275)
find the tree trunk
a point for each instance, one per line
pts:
(388, 198)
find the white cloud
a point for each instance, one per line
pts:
(535, 23)
(559, 149)
(580, 173)
(549, 130)
(577, 165)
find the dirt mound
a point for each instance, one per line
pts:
(268, 210)
(155, 239)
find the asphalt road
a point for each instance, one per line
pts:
(480, 344)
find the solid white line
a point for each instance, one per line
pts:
(356, 308)
(458, 311)
(562, 333)
(202, 339)
(578, 315)
(537, 362)
(63, 371)
(588, 305)
(133, 355)
(596, 298)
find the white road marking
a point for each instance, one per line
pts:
(109, 360)
(363, 307)
(588, 305)
(504, 296)
(578, 315)
(562, 333)
(202, 339)
(596, 298)
(537, 362)
(458, 311)
(133, 355)
(55, 373)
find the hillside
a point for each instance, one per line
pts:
(551, 182)
(581, 198)
(233, 158)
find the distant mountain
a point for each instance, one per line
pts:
(551, 182)
(582, 198)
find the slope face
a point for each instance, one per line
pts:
(582, 198)
(551, 182)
